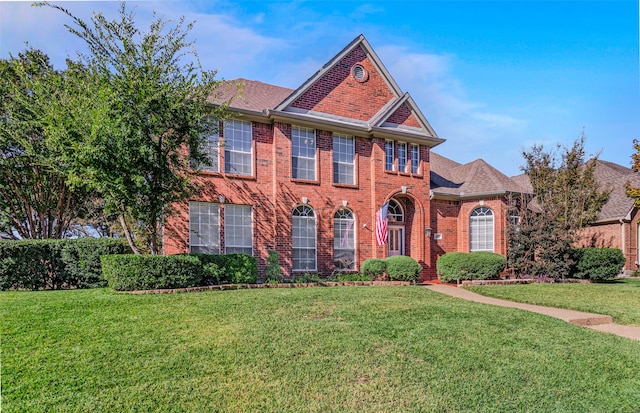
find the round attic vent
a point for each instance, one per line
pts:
(359, 73)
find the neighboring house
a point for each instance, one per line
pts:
(617, 224)
(303, 172)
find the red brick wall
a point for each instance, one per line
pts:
(338, 93)
(403, 116)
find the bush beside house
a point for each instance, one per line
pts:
(396, 268)
(481, 265)
(598, 264)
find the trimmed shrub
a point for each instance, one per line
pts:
(402, 268)
(233, 268)
(481, 265)
(55, 264)
(81, 258)
(148, 272)
(598, 264)
(273, 267)
(374, 268)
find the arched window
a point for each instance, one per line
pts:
(304, 239)
(344, 240)
(396, 214)
(481, 229)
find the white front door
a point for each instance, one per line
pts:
(396, 241)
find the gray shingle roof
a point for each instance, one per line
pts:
(474, 178)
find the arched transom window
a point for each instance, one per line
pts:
(481, 229)
(304, 239)
(396, 214)
(344, 240)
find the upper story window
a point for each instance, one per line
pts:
(402, 157)
(389, 158)
(303, 153)
(343, 159)
(481, 229)
(415, 159)
(238, 148)
(210, 148)
(238, 229)
(204, 227)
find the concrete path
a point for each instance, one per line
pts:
(598, 322)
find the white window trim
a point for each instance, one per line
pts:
(389, 144)
(228, 149)
(314, 158)
(492, 230)
(352, 164)
(315, 260)
(226, 244)
(191, 244)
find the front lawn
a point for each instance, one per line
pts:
(355, 349)
(619, 299)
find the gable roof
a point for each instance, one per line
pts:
(375, 109)
(324, 99)
(474, 179)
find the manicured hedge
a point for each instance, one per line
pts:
(234, 268)
(374, 268)
(55, 264)
(480, 265)
(148, 272)
(598, 264)
(402, 268)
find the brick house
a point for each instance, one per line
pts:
(303, 172)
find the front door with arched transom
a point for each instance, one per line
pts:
(395, 228)
(396, 240)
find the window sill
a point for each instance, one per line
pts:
(304, 181)
(349, 186)
(236, 176)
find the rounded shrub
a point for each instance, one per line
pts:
(481, 265)
(374, 268)
(147, 272)
(598, 264)
(403, 268)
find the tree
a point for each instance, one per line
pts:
(566, 199)
(633, 192)
(149, 105)
(36, 200)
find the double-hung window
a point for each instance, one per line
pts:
(415, 159)
(238, 145)
(343, 159)
(303, 153)
(389, 156)
(204, 227)
(238, 229)
(402, 157)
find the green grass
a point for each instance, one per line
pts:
(619, 299)
(357, 349)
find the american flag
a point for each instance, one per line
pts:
(381, 224)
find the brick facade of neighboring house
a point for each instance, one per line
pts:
(303, 172)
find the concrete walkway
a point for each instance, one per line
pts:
(598, 322)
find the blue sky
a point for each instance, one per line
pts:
(492, 78)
